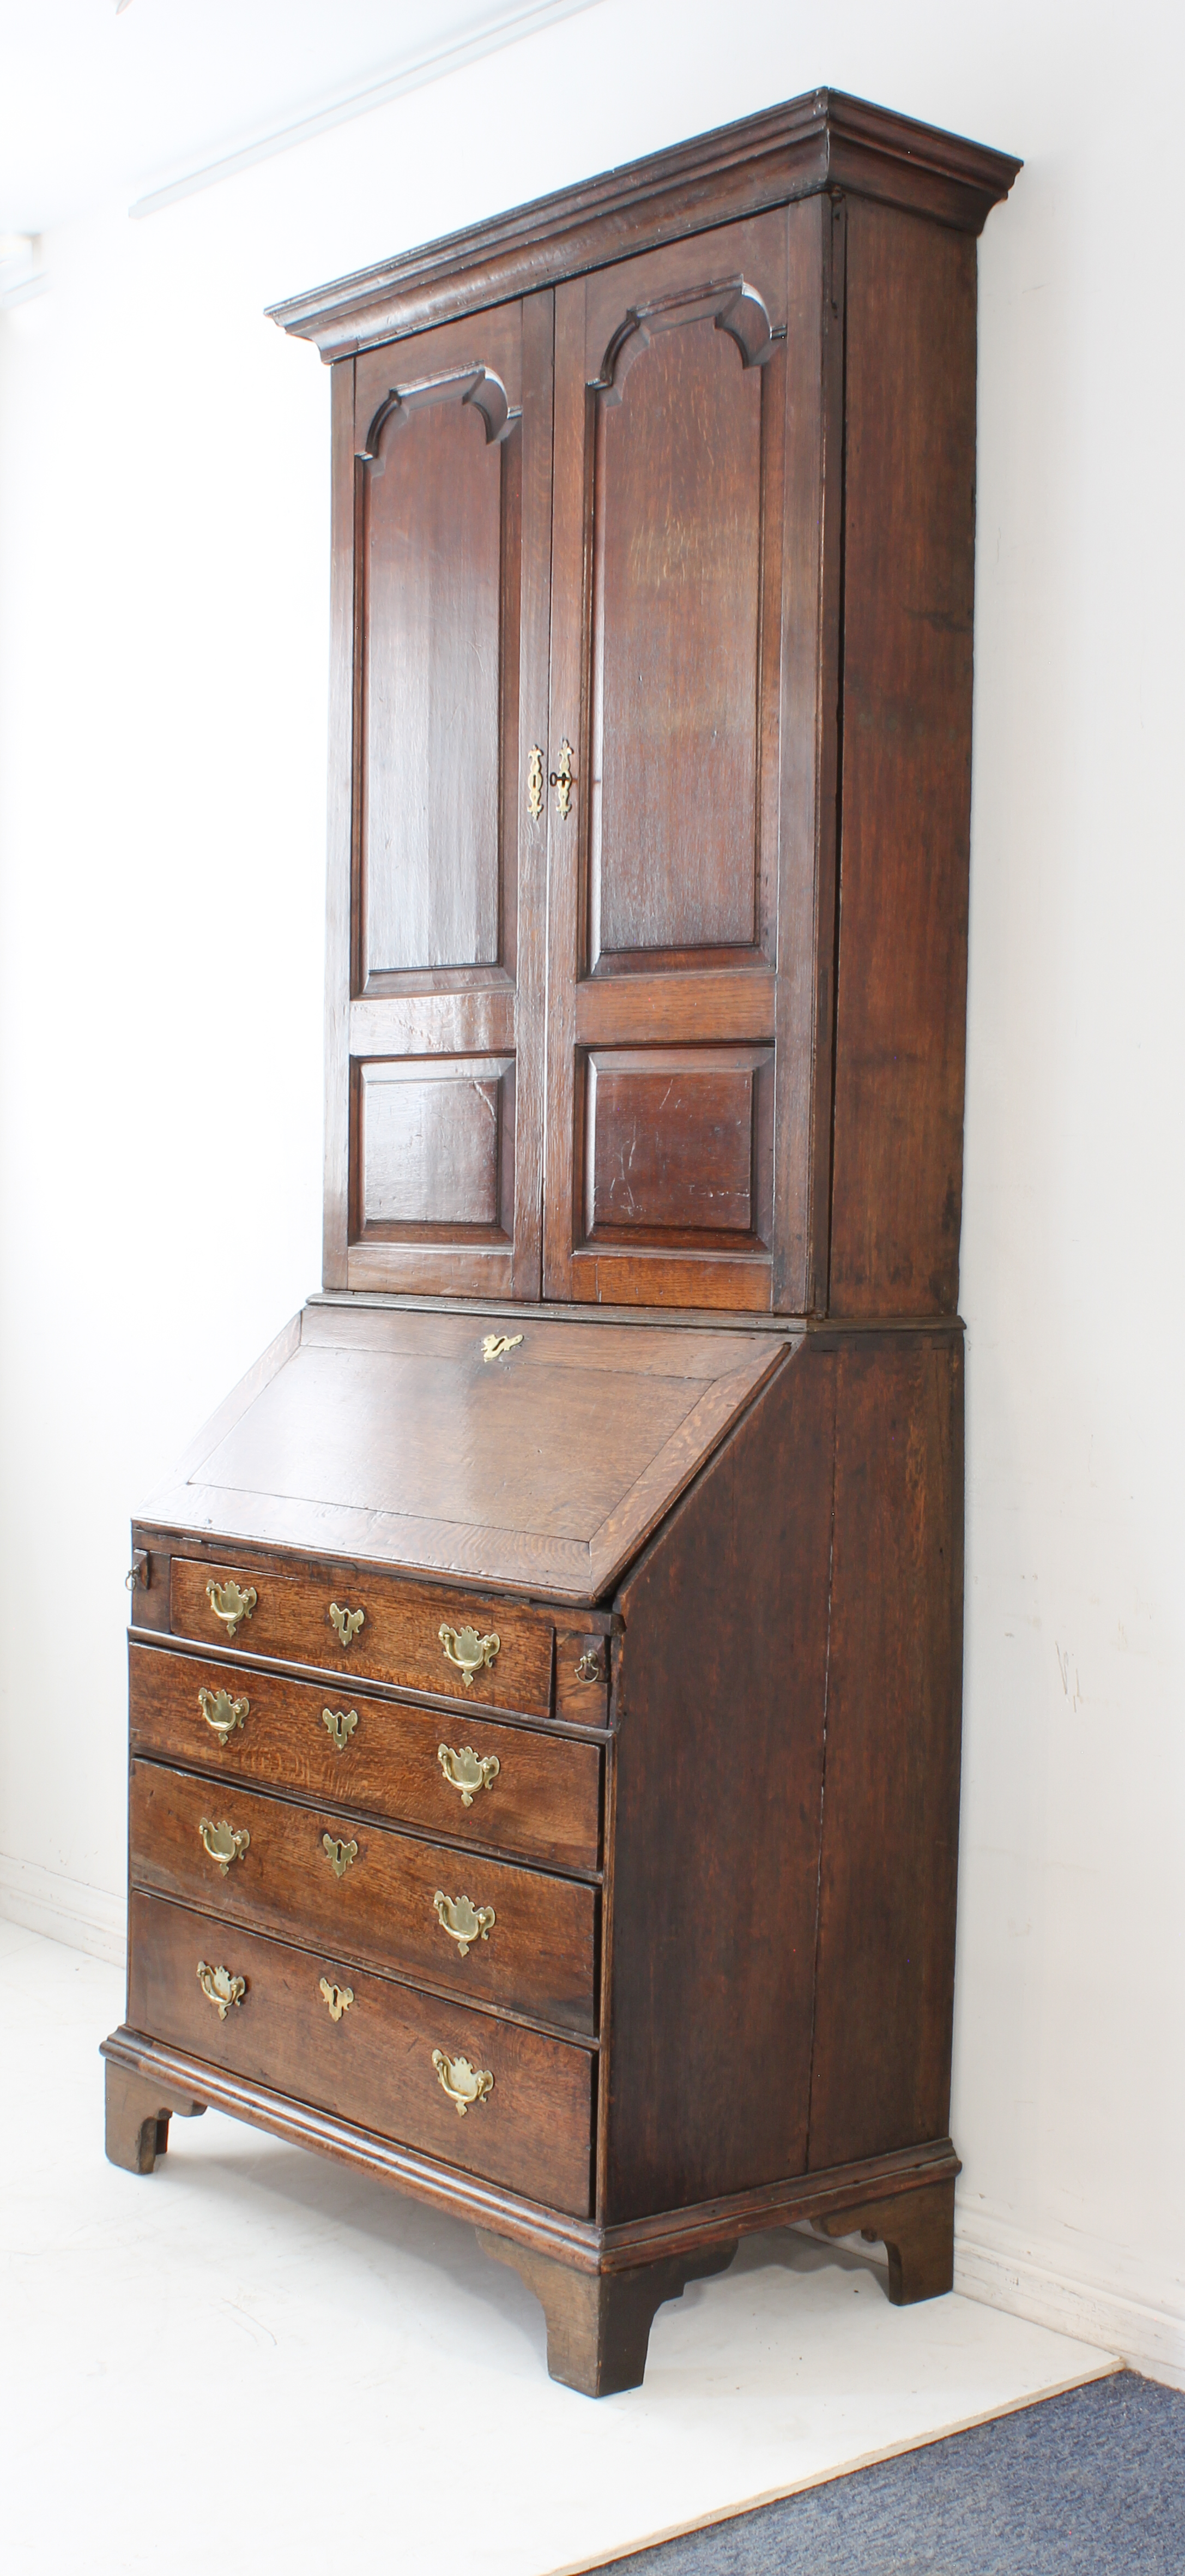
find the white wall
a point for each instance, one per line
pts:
(163, 560)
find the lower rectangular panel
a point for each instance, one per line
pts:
(532, 2132)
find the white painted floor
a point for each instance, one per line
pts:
(250, 2360)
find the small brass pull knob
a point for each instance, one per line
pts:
(535, 782)
(223, 1713)
(466, 1771)
(338, 1998)
(346, 1622)
(463, 1921)
(561, 780)
(230, 1604)
(220, 1988)
(467, 1650)
(222, 1842)
(340, 1855)
(340, 1724)
(589, 1668)
(462, 2082)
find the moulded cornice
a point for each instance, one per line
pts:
(825, 140)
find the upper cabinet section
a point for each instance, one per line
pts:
(654, 527)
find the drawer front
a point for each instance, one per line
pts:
(532, 2131)
(535, 1794)
(291, 1617)
(313, 1874)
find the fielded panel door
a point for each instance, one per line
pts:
(693, 607)
(437, 960)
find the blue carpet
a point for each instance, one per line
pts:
(1090, 2484)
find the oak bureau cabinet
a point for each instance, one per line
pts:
(545, 1669)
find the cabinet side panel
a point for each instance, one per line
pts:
(906, 765)
(885, 1981)
(719, 1768)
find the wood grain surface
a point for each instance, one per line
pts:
(543, 1804)
(721, 1697)
(374, 2066)
(399, 1641)
(388, 1437)
(825, 139)
(884, 1996)
(538, 1959)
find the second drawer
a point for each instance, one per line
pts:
(450, 1773)
(529, 1940)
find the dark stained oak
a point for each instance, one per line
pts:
(917, 2230)
(884, 1988)
(387, 1438)
(721, 1698)
(398, 1641)
(909, 562)
(374, 2065)
(542, 1803)
(138, 2115)
(374, 1897)
(824, 140)
(598, 2323)
(653, 540)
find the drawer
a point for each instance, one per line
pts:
(386, 1628)
(372, 1892)
(535, 1794)
(532, 2131)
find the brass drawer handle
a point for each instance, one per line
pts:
(338, 1998)
(462, 2082)
(341, 1723)
(340, 1855)
(223, 1713)
(231, 1605)
(465, 1771)
(346, 1622)
(589, 1669)
(467, 1650)
(463, 1921)
(220, 1988)
(222, 1843)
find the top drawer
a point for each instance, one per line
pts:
(491, 1652)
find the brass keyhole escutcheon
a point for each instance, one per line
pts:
(338, 1998)
(230, 1604)
(346, 1623)
(463, 1921)
(535, 782)
(222, 1713)
(496, 1345)
(467, 1771)
(561, 780)
(339, 1724)
(340, 1855)
(221, 1842)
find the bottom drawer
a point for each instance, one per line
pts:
(531, 2131)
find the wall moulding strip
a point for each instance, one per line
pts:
(507, 27)
(64, 1909)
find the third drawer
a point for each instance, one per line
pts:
(315, 1875)
(465, 1776)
